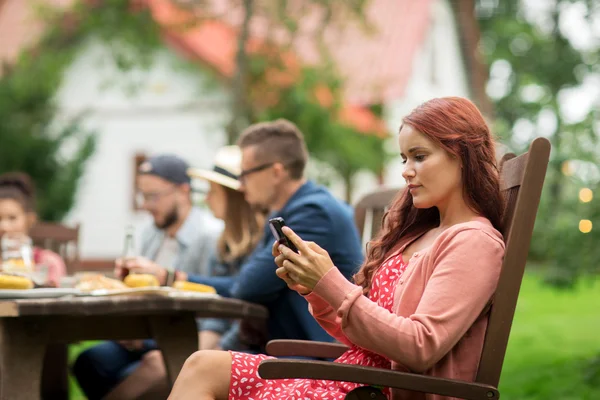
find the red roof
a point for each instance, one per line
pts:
(376, 65)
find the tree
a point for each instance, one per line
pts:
(313, 104)
(33, 141)
(133, 36)
(534, 66)
(54, 156)
(256, 95)
(282, 16)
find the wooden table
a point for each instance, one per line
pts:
(28, 326)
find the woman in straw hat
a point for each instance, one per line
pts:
(243, 230)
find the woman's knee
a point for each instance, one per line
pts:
(203, 361)
(209, 371)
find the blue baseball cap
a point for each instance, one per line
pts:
(168, 167)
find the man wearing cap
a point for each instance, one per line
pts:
(182, 237)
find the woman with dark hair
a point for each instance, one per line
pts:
(18, 215)
(419, 301)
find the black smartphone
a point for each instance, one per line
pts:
(275, 224)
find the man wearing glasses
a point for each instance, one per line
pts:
(274, 157)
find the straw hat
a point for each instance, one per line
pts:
(226, 169)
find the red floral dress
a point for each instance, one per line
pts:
(246, 384)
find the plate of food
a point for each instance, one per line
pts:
(16, 286)
(138, 284)
(39, 293)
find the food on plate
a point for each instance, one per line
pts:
(15, 282)
(193, 287)
(90, 282)
(141, 280)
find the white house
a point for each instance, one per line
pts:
(417, 53)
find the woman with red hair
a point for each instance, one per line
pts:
(419, 301)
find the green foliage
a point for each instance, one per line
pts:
(30, 144)
(541, 65)
(32, 141)
(328, 139)
(553, 344)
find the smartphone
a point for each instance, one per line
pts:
(275, 224)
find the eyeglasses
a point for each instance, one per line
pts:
(250, 171)
(152, 197)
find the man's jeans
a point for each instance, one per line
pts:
(100, 368)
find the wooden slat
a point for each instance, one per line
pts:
(119, 305)
(512, 172)
(305, 348)
(66, 329)
(515, 257)
(59, 238)
(283, 369)
(376, 202)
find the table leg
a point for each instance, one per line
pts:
(55, 375)
(177, 337)
(22, 350)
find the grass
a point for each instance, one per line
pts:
(553, 343)
(74, 349)
(554, 348)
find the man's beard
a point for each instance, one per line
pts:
(170, 219)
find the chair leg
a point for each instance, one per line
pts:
(365, 393)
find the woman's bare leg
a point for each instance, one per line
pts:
(150, 372)
(205, 376)
(209, 340)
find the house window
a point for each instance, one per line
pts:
(137, 161)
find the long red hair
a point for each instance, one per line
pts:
(457, 126)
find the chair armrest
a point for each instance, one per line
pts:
(305, 348)
(283, 369)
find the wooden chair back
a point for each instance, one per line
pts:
(522, 181)
(368, 212)
(59, 238)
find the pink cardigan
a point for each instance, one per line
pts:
(438, 324)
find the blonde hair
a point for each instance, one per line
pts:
(243, 227)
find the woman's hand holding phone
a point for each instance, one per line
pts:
(305, 268)
(283, 274)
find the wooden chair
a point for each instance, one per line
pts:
(522, 181)
(63, 240)
(368, 212)
(59, 238)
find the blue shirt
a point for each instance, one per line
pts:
(315, 215)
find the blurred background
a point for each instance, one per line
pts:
(90, 88)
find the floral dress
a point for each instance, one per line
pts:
(246, 383)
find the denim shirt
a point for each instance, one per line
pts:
(197, 239)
